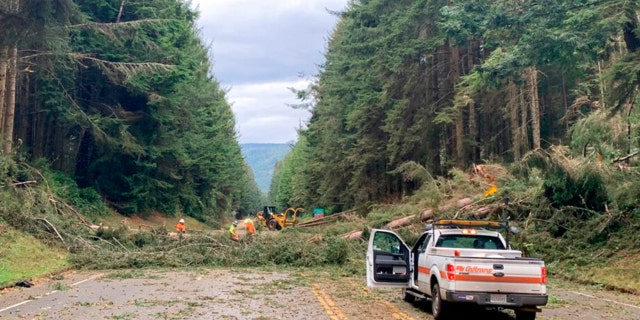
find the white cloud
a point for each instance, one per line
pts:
(266, 38)
(259, 49)
(262, 112)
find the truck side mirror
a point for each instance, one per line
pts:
(514, 230)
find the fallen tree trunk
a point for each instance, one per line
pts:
(353, 235)
(400, 222)
(327, 219)
(423, 216)
(426, 215)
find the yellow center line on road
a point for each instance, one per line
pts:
(396, 313)
(327, 304)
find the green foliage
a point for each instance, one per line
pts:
(388, 96)
(567, 182)
(625, 194)
(289, 247)
(143, 123)
(288, 187)
(87, 201)
(8, 169)
(586, 190)
(601, 134)
(337, 251)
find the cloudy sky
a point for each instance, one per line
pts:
(261, 48)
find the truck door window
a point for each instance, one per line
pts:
(425, 243)
(386, 242)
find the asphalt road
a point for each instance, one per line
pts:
(261, 295)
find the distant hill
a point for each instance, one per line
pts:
(262, 158)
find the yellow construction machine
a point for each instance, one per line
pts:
(273, 220)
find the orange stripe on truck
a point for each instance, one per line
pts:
(484, 278)
(491, 278)
(424, 270)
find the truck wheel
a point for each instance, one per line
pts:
(525, 315)
(272, 224)
(408, 297)
(439, 307)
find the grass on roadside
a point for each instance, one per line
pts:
(621, 273)
(24, 257)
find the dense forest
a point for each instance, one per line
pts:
(113, 105)
(119, 97)
(412, 90)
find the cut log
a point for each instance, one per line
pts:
(354, 235)
(483, 212)
(426, 215)
(400, 222)
(464, 202)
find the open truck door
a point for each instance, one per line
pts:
(388, 260)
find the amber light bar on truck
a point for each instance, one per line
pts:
(471, 223)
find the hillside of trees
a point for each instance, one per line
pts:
(119, 96)
(411, 90)
(415, 94)
(262, 159)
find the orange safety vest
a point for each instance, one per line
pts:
(180, 228)
(250, 228)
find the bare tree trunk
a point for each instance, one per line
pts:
(534, 104)
(10, 100)
(59, 143)
(601, 84)
(512, 108)
(120, 11)
(39, 135)
(524, 133)
(459, 124)
(24, 110)
(4, 62)
(473, 118)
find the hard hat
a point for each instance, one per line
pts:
(181, 221)
(235, 222)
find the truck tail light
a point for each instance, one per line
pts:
(543, 274)
(451, 272)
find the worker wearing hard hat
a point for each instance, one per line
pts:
(232, 231)
(180, 227)
(250, 227)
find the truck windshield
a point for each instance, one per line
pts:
(471, 241)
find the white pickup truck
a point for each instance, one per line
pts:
(458, 262)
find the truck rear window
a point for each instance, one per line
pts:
(469, 241)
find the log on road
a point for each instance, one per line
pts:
(425, 215)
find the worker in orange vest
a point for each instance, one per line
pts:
(180, 227)
(250, 227)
